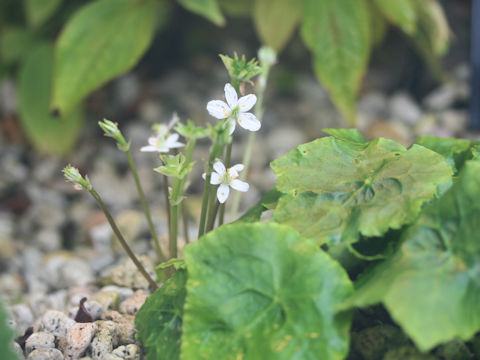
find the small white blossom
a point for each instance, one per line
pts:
(226, 178)
(235, 109)
(162, 143)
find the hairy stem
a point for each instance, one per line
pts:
(146, 210)
(120, 238)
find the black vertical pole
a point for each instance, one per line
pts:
(475, 58)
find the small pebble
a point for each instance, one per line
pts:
(105, 340)
(127, 352)
(126, 326)
(78, 339)
(107, 299)
(55, 322)
(123, 292)
(21, 316)
(45, 354)
(134, 303)
(39, 340)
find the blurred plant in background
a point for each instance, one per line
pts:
(61, 51)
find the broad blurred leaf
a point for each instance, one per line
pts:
(102, 40)
(206, 8)
(430, 286)
(6, 337)
(48, 133)
(15, 43)
(159, 320)
(39, 11)
(337, 32)
(455, 151)
(378, 24)
(261, 291)
(337, 188)
(433, 26)
(402, 13)
(237, 8)
(276, 20)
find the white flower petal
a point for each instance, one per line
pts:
(249, 121)
(152, 141)
(238, 167)
(232, 126)
(222, 193)
(231, 96)
(204, 176)
(218, 109)
(150, 148)
(219, 167)
(172, 142)
(239, 185)
(215, 179)
(246, 102)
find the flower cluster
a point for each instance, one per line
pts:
(226, 178)
(235, 109)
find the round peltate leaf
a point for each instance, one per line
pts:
(159, 320)
(342, 186)
(431, 285)
(261, 291)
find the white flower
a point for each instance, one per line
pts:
(226, 178)
(162, 143)
(235, 109)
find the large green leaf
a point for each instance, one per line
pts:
(268, 202)
(400, 12)
(261, 291)
(276, 21)
(455, 151)
(431, 286)
(6, 337)
(39, 11)
(159, 320)
(101, 41)
(48, 133)
(15, 43)
(337, 188)
(207, 8)
(337, 32)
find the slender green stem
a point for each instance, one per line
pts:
(228, 157)
(212, 214)
(167, 204)
(146, 210)
(216, 148)
(120, 238)
(247, 155)
(185, 223)
(174, 226)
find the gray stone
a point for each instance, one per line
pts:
(39, 340)
(22, 317)
(134, 303)
(373, 105)
(63, 270)
(11, 285)
(404, 108)
(441, 98)
(17, 349)
(107, 299)
(127, 274)
(77, 340)
(123, 292)
(125, 324)
(48, 239)
(105, 340)
(45, 354)
(454, 121)
(282, 139)
(54, 322)
(40, 303)
(128, 352)
(94, 308)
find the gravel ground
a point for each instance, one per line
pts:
(56, 247)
